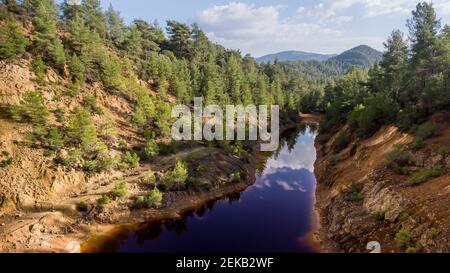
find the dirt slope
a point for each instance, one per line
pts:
(348, 225)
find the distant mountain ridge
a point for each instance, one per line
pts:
(362, 56)
(293, 55)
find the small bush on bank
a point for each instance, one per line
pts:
(354, 194)
(178, 176)
(399, 158)
(418, 143)
(121, 189)
(434, 232)
(131, 160)
(379, 216)
(426, 131)
(152, 200)
(151, 148)
(235, 177)
(341, 142)
(82, 207)
(149, 177)
(403, 237)
(199, 183)
(411, 250)
(426, 175)
(443, 151)
(403, 217)
(31, 108)
(90, 104)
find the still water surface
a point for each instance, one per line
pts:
(276, 214)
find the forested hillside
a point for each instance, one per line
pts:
(362, 57)
(293, 56)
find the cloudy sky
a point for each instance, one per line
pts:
(260, 27)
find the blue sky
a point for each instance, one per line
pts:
(266, 26)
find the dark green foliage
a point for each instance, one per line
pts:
(399, 158)
(121, 189)
(39, 68)
(426, 131)
(12, 41)
(151, 148)
(90, 104)
(376, 110)
(131, 160)
(152, 200)
(341, 142)
(379, 215)
(31, 108)
(82, 207)
(425, 175)
(403, 238)
(81, 130)
(354, 194)
(5, 159)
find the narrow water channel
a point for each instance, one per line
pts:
(276, 214)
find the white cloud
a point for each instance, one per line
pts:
(260, 30)
(301, 10)
(374, 8)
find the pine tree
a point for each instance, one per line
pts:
(423, 30)
(12, 41)
(95, 18)
(180, 39)
(116, 27)
(394, 63)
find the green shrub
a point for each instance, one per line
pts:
(121, 189)
(403, 237)
(59, 114)
(149, 177)
(443, 151)
(235, 177)
(426, 175)
(90, 104)
(403, 217)
(199, 183)
(151, 148)
(179, 174)
(411, 250)
(31, 108)
(104, 200)
(379, 215)
(131, 160)
(426, 131)
(434, 232)
(399, 158)
(341, 142)
(154, 198)
(81, 130)
(354, 193)
(6, 162)
(418, 143)
(12, 40)
(82, 207)
(39, 68)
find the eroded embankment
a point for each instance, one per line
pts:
(360, 199)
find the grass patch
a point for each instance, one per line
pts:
(403, 237)
(421, 177)
(121, 189)
(379, 215)
(354, 194)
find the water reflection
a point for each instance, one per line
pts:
(274, 215)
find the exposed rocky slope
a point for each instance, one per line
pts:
(361, 200)
(39, 199)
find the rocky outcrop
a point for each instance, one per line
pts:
(360, 200)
